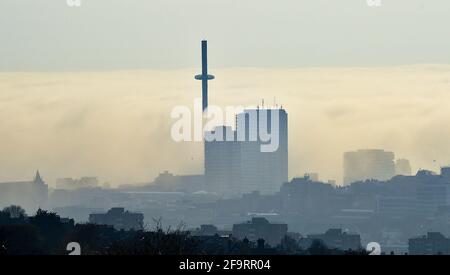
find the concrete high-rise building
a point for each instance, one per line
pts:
(222, 163)
(368, 164)
(241, 163)
(402, 167)
(263, 170)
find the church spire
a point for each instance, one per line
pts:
(38, 178)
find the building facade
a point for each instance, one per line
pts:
(402, 167)
(119, 219)
(30, 195)
(433, 243)
(334, 238)
(222, 163)
(70, 183)
(260, 228)
(263, 171)
(252, 158)
(368, 164)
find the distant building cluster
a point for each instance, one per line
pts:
(373, 164)
(434, 243)
(70, 183)
(390, 212)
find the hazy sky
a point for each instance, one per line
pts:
(88, 91)
(120, 34)
(116, 125)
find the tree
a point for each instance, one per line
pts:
(318, 247)
(51, 229)
(20, 239)
(261, 243)
(15, 211)
(289, 245)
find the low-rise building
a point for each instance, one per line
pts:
(433, 243)
(119, 219)
(334, 238)
(209, 230)
(260, 228)
(70, 183)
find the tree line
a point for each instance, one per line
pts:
(46, 233)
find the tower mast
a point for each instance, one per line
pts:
(204, 77)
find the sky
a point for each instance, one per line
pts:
(116, 125)
(129, 34)
(88, 91)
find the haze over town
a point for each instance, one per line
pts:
(116, 125)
